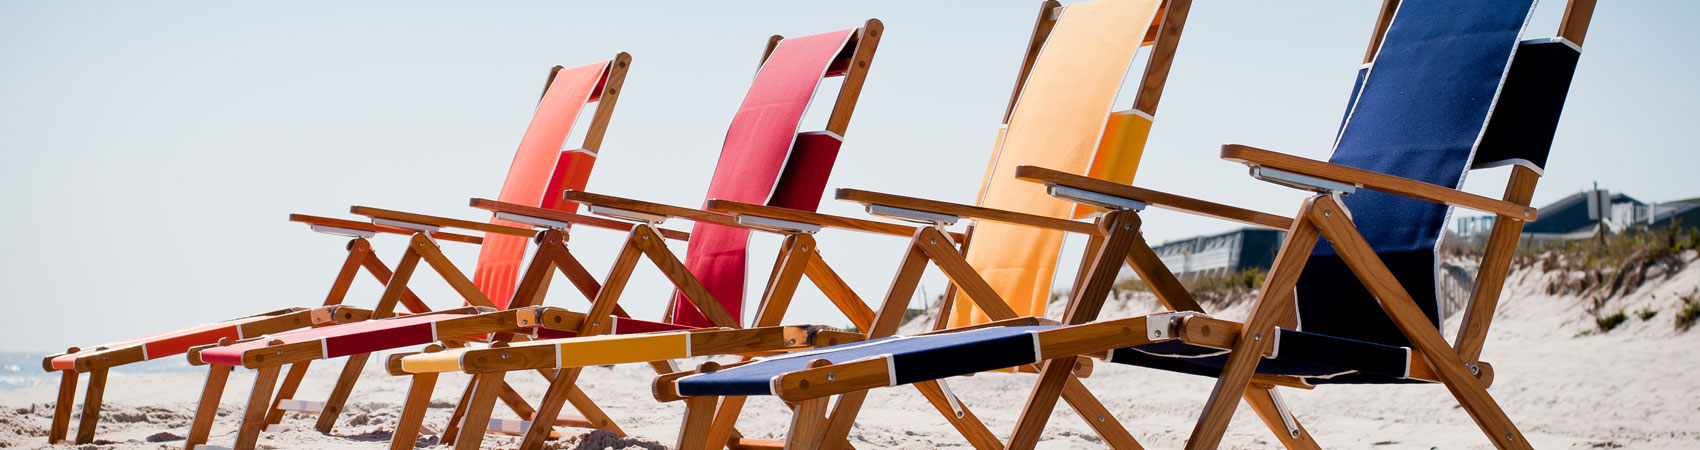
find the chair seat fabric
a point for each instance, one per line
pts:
(343, 340)
(1318, 359)
(622, 325)
(909, 358)
(174, 342)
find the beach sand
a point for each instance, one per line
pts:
(1565, 386)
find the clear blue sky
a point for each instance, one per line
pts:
(152, 150)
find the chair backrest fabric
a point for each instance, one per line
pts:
(1421, 110)
(540, 159)
(764, 160)
(1062, 120)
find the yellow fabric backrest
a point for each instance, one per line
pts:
(1061, 121)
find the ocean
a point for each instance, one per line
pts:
(21, 370)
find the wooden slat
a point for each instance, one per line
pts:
(91, 406)
(413, 411)
(207, 409)
(1382, 21)
(605, 101)
(974, 212)
(439, 221)
(641, 206)
(825, 220)
(1247, 351)
(368, 226)
(1173, 20)
(254, 417)
(1496, 262)
(1375, 180)
(1154, 198)
(674, 269)
(1041, 31)
(867, 41)
(563, 216)
(62, 406)
(1574, 25)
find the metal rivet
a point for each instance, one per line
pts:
(1257, 337)
(1474, 370)
(1295, 433)
(504, 355)
(1508, 436)
(830, 377)
(790, 341)
(1127, 226)
(643, 236)
(595, 323)
(1100, 418)
(1326, 213)
(280, 351)
(805, 248)
(932, 241)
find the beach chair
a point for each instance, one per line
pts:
(539, 165)
(1059, 114)
(98, 360)
(1447, 88)
(764, 160)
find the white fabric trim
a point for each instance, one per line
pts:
(1038, 351)
(1510, 162)
(891, 370)
(1275, 345)
(1407, 363)
(324, 348)
(688, 352)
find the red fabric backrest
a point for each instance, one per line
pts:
(540, 167)
(757, 153)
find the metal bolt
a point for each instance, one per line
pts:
(1508, 436)
(1474, 370)
(932, 241)
(280, 351)
(1326, 213)
(1100, 418)
(790, 341)
(830, 377)
(805, 248)
(504, 355)
(643, 236)
(1295, 434)
(595, 323)
(1257, 337)
(1127, 226)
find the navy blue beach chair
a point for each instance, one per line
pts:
(1447, 87)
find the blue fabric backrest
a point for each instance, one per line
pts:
(1420, 110)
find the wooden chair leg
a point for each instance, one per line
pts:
(554, 398)
(208, 409)
(1040, 402)
(587, 408)
(413, 412)
(1266, 311)
(1263, 400)
(339, 394)
(968, 425)
(291, 382)
(62, 408)
(808, 425)
(451, 431)
(725, 419)
(695, 433)
(91, 406)
(1425, 339)
(254, 419)
(1097, 416)
(477, 418)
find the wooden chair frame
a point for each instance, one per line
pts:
(799, 256)
(1321, 216)
(933, 244)
(360, 257)
(266, 408)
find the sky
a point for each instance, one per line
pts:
(152, 151)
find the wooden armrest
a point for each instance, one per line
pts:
(365, 226)
(1391, 184)
(440, 221)
(658, 209)
(974, 212)
(825, 220)
(1052, 177)
(563, 216)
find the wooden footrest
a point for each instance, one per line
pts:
(301, 406)
(754, 444)
(518, 427)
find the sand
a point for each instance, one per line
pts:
(1565, 384)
